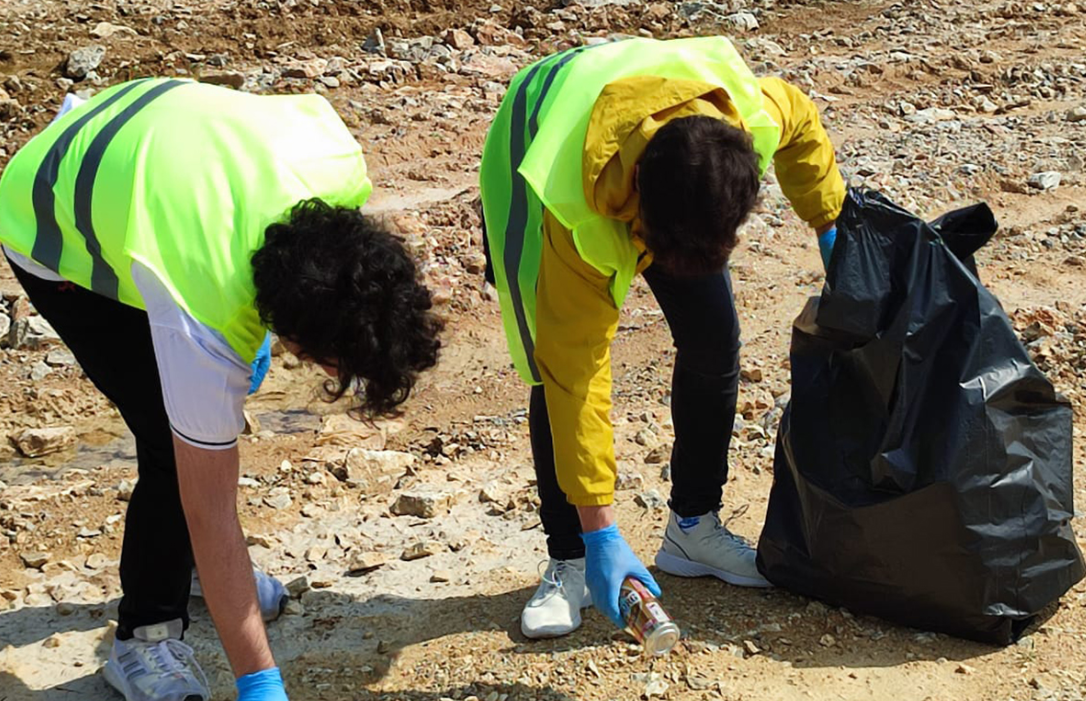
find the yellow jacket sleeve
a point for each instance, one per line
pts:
(805, 162)
(576, 320)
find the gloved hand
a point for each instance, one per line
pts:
(608, 561)
(266, 685)
(825, 245)
(261, 364)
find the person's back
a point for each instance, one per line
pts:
(183, 178)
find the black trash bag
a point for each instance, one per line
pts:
(923, 464)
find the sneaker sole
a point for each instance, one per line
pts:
(681, 567)
(113, 680)
(117, 682)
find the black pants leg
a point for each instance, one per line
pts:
(559, 517)
(112, 342)
(705, 327)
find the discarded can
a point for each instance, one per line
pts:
(646, 619)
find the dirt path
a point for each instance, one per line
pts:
(936, 103)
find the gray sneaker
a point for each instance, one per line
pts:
(701, 546)
(154, 665)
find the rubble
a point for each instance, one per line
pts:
(36, 442)
(425, 501)
(83, 61)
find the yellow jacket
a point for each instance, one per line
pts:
(576, 316)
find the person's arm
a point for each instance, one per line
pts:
(576, 320)
(208, 480)
(805, 161)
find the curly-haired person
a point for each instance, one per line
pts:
(164, 228)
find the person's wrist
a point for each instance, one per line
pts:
(595, 518)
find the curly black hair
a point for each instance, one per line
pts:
(698, 180)
(343, 288)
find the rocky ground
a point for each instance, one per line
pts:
(412, 545)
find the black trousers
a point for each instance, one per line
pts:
(112, 342)
(700, 312)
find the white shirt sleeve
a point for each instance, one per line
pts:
(204, 381)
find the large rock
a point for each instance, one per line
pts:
(424, 501)
(374, 471)
(35, 442)
(83, 61)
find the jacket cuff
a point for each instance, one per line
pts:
(591, 499)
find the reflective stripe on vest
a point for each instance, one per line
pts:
(49, 243)
(533, 159)
(183, 178)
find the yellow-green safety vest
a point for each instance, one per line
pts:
(533, 154)
(183, 178)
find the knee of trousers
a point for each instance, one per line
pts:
(715, 360)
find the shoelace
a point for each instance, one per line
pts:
(168, 655)
(558, 569)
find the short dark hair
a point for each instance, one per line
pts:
(698, 180)
(342, 287)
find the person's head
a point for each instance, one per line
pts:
(343, 291)
(697, 180)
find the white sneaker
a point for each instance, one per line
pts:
(270, 593)
(156, 666)
(555, 608)
(701, 546)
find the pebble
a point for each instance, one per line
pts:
(365, 562)
(84, 60)
(97, 561)
(231, 79)
(651, 500)
(425, 501)
(52, 642)
(298, 586)
(279, 498)
(629, 480)
(751, 374)
(39, 371)
(36, 442)
(60, 357)
(645, 437)
(743, 21)
(657, 688)
(1077, 114)
(827, 640)
(658, 455)
(104, 30)
(421, 549)
(125, 489)
(441, 576)
(35, 560)
(1045, 181)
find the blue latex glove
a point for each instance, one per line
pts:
(266, 685)
(825, 245)
(608, 561)
(261, 364)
